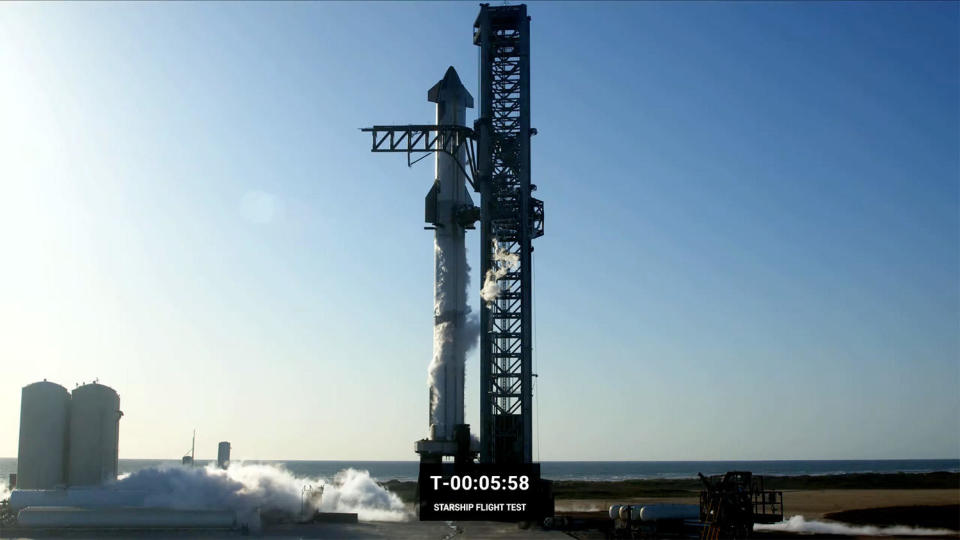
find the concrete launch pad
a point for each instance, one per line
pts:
(380, 529)
(416, 529)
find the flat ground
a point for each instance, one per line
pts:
(811, 504)
(921, 500)
(408, 530)
(416, 530)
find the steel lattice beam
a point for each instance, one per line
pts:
(497, 154)
(423, 139)
(511, 218)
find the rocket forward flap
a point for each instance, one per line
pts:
(430, 205)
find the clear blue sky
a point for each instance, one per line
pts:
(751, 245)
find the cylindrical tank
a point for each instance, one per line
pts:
(94, 435)
(223, 455)
(657, 512)
(44, 420)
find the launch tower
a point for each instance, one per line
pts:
(510, 219)
(494, 158)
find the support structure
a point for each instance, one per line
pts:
(494, 157)
(510, 219)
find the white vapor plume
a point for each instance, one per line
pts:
(4, 492)
(455, 332)
(247, 488)
(797, 524)
(504, 262)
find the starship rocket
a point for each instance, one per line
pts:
(447, 207)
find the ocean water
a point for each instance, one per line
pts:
(584, 470)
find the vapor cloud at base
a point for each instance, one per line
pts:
(246, 488)
(797, 524)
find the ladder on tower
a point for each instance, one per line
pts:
(512, 218)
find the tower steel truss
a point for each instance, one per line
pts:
(427, 139)
(499, 168)
(510, 219)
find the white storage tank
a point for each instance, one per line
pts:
(94, 435)
(44, 420)
(657, 512)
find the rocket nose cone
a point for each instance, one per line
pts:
(450, 87)
(451, 78)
